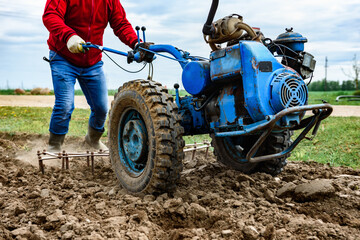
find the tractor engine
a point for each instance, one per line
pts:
(243, 82)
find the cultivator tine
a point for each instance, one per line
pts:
(197, 146)
(41, 165)
(63, 161)
(92, 163)
(67, 161)
(207, 149)
(194, 152)
(65, 158)
(88, 158)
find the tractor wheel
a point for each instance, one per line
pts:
(228, 151)
(231, 151)
(276, 142)
(145, 138)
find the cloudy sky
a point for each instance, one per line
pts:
(332, 28)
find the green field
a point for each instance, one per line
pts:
(314, 97)
(337, 143)
(330, 97)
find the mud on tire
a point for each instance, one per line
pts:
(161, 163)
(275, 143)
(226, 152)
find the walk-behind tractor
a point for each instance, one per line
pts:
(248, 101)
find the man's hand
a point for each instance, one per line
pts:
(74, 44)
(144, 55)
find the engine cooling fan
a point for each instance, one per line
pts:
(288, 90)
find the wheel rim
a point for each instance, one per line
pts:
(133, 142)
(238, 147)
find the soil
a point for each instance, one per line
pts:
(80, 102)
(307, 201)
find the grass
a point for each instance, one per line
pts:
(36, 120)
(330, 97)
(337, 142)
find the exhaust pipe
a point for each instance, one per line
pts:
(208, 29)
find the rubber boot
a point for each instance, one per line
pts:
(55, 142)
(93, 139)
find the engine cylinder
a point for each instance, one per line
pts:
(196, 77)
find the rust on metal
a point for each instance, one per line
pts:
(255, 65)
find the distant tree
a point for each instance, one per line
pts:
(332, 85)
(354, 74)
(348, 85)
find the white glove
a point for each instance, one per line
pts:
(74, 44)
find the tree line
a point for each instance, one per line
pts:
(348, 85)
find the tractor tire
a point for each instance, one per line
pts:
(229, 155)
(275, 143)
(145, 138)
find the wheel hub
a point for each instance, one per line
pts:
(134, 140)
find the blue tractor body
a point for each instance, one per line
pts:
(251, 84)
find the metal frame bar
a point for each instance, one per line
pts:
(321, 111)
(271, 120)
(352, 97)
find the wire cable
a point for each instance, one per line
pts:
(312, 75)
(151, 71)
(122, 67)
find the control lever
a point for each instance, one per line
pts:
(137, 28)
(143, 29)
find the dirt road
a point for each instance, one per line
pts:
(307, 201)
(80, 102)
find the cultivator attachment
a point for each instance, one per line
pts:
(90, 156)
(66, 156)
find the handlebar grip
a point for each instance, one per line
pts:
(137, 57)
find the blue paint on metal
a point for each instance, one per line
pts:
(257, 84)
(192, 121)
(196, 77)
(292, 40)
(176, 53)
(287, 90)
(101, 48)
(133, 142)
(227, 107)
(247, 129)
(225, 63)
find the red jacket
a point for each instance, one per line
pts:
(88, 19)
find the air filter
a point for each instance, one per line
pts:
(288, 90)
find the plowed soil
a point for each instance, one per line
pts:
(307, 201)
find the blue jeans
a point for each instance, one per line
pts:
(93, 84)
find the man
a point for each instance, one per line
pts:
(72, 23)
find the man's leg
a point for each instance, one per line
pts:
(93, 84)
(64, 77)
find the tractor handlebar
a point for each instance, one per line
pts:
(178, 55)
(88, 45)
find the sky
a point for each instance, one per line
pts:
(332, 28)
